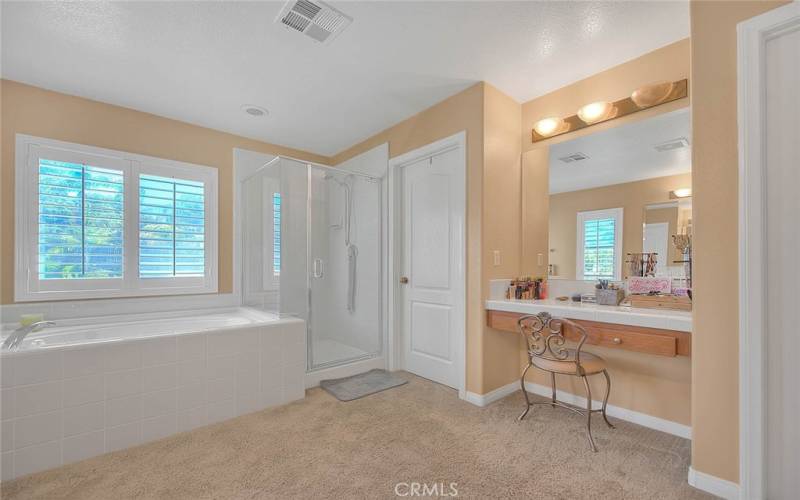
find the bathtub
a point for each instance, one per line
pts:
(90, 386)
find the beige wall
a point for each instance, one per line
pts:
(715, 394)
(631, 196)
(654, 385)
(34, 111)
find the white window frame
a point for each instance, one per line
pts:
(28, 286)
(611, 213)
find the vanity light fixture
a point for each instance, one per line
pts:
(549, 126)
(651, 95)
(680, 193)
(646, 96)
(596, 112)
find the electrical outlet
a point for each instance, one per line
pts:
(496, 255)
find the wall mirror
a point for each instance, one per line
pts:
(620, 202)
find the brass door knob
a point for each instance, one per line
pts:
(404, 280)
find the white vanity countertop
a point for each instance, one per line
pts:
(651, 318)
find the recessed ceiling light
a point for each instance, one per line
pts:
(253, 110)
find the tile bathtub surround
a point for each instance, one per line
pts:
(69, 404)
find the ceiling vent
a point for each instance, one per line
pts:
(317, 20)
(679, 143)
(573, 158)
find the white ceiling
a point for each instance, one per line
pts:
(623, 154)
(200, 61)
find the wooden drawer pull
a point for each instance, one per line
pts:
(617, 340)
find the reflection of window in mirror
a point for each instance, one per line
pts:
(599, 251)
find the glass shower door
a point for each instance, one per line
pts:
(344, 265)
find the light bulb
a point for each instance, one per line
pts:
(548, 126)
(596, 112)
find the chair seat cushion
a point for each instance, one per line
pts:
(591, 364)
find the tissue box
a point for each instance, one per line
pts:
(609, 297)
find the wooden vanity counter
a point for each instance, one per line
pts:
(659, 332)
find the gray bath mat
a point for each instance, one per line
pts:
(363, 384)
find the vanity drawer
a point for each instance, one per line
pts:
(630, 340)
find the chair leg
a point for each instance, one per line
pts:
(605, 399)
(589, 412)
(524, 392)
(553, 384)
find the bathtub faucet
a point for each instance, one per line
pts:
(18, 335)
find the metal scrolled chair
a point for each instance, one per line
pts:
(544, 337)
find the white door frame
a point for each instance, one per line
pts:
(394, 345)
(752, 37)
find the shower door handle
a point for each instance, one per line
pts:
(318, 269)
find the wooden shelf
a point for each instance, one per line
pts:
(630, 338)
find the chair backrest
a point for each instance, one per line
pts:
(544, 336)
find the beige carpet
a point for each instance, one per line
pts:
(419, 432)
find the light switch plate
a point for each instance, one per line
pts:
(496, 254)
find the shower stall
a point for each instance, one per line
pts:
(312, 246)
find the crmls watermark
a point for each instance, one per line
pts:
(426, 489)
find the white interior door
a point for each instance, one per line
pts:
(769, 108)
(782, 57)
(431, 264)
(656, 239)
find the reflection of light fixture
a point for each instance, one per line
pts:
(596, 112)
(650, 95)
(680, 193)
(548, 126)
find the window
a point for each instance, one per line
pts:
(276, 234)
(599, 252)
(95, 223)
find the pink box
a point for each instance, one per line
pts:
(644, 285)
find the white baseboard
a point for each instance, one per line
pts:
(491, 396)
(714, 485)
(636, 417)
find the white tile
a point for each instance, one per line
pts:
(83, 446)
(37, 368)
(37, 429)
(38, 398)
(81, 419)
(249, 340)
(124, 436)
(7, 435)
(7, 364)
(247, 403)
(190, 371)
(159, 403)
(272, 396)
(294, 384)
(121, 384)
(37, 458)
(248, 363)
(271, 354)
(79, 391)
(294, 332)
(222, 410)
(294, 354)
(271, 374)
(7, 466)
(158, 427)
(220, 388)
(191, 395)
(123, 410)
(191, 347)
(247, 383)
(158, 351)
(159, 378)
(272, 337)
(220, 366)
(225, 343)
(8, 403)
(122, 356)
(83, 361)
(192, 418)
